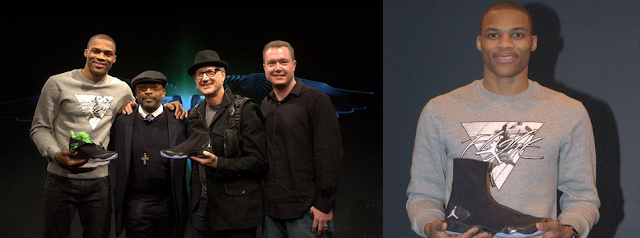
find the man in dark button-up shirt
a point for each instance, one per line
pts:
(304, 149)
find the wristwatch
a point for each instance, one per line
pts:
(575, 232)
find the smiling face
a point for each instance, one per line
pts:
(209, 80)
(101, 54)
(506, 44)
(279, 67)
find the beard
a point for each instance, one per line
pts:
(149, 106)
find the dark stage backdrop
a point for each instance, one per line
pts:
(334, 44)
(587, 50)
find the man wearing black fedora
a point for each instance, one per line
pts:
(150, 193)
(226, 188)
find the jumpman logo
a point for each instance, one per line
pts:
(453, 213)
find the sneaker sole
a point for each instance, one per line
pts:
(173, 156)
(501, 235)
(458, 228)
(525, 231)
(518, 235)
(115, 156)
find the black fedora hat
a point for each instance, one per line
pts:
(206, 58)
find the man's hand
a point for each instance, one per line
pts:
(127, 108)
(554, 229)
(176, 106)
(180, 113)
(64, 160)
(321, 221)
(436, 229)
(209, 159)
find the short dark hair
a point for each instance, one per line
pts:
(278, 44)
(506, 5)
(101, 36)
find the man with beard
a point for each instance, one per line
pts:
(150, 192)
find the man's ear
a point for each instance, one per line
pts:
(479, 43)
(534, 43)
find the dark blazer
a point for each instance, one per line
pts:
(121, 136)
(234, 188)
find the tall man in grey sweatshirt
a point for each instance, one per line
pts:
(82, 100)
(553, 146)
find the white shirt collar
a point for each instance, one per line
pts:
(156, 113)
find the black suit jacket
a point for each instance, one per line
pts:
(121, 141)
(234, 188)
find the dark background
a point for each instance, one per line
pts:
(336, 44)
(587, 50)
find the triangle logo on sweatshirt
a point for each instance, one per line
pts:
(502, 143)
(94, 107)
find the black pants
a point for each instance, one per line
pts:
(202, 224)
(91, 198)
(148, 216)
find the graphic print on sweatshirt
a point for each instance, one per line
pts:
(501, 143)
(94, 107)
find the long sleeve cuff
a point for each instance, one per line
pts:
(323, 205)
(51, 153)
(582, 219)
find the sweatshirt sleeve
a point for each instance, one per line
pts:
(577, 177)
(427, 187)
(42, 125)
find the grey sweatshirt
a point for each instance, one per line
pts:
(69, 101)
(541, 141)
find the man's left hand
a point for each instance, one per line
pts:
(321, 221)
(180, 113)
(554, 229)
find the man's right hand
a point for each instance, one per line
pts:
(436, 229)
(127, 108)
(64, 159)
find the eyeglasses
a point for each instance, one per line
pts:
(210, 73)
(143, 87)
